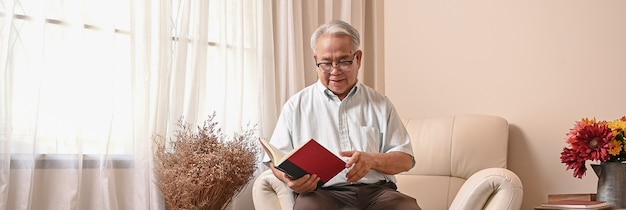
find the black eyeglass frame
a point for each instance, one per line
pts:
(338, 65)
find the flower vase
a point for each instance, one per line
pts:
(611, 183)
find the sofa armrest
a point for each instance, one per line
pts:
(491, 188)
(270, 193)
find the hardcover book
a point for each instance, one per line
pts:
(575, 204)
(309, 158)
(573, 196)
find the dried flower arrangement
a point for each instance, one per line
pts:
(201, 169)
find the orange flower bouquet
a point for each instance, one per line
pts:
(594, 140)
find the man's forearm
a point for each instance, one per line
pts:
(392, 163)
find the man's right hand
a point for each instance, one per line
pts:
(304, 184)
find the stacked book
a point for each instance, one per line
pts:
(573, 201)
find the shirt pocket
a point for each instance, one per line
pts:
(370, 137)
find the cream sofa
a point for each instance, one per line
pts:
(460, 164)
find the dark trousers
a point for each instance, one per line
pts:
(381, 195)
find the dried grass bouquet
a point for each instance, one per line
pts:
(202, 169)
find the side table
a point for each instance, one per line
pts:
(555, 208)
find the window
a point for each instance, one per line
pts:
(72, 85)
(67, 82)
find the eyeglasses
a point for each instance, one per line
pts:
(343, 66)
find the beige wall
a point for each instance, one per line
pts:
(541, 64)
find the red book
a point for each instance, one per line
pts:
(309, 158)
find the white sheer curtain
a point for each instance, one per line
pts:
(85, 85)
(217, 61)
(66, 128)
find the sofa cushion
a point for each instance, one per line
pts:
(458, 146)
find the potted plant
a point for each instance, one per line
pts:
(601, 141)
(201, 168)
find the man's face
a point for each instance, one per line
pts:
(335, 49)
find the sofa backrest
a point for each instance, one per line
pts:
(448, 150)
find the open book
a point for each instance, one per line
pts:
(309, 158)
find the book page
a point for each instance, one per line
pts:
(275, 154)
(284, 157)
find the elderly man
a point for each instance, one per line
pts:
(353, 121)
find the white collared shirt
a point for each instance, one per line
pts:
(364, 121)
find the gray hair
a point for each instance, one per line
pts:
(336, 27)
